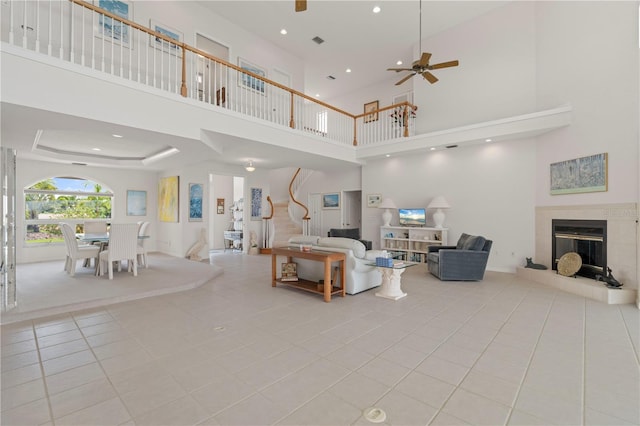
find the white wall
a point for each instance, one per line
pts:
(490, 189)
(349, 179)
(29, 172)
(587, 55)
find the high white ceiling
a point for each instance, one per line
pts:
(368, 43)
(355, 38)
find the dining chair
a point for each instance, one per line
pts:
(123, 245)
(75, 251)
(95, 227)
(142, 250)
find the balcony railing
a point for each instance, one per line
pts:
(84, 34)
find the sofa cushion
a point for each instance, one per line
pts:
(304, 239)
(346, 243)
(463, 239)
(475, 243)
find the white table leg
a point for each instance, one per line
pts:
(390, 287)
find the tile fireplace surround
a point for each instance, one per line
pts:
(621, 250)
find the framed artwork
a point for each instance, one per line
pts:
(374, 200)
(402, 97)
(256, 203)
(220, 205)
(136, 203)
(113, 30)
(331, 200)
(249, 81)
(368, 110)
(580, 175)
(195, 202)
(168, 201)
(164, 45)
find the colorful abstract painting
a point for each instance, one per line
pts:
(195, 202)
(168, 201)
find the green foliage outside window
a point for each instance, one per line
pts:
(46, 206)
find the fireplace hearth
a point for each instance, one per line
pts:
(588, 238)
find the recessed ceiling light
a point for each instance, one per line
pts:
(283, 31)
(348, 70)
(317, 95)
(388, 155)
(117, 136)
(433, 148)
(399, 63)
(96, 149)
(487, 140)
(376, 9)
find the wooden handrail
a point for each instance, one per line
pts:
(185, 46)
(271, 207)
(306, 210)
(183, 88)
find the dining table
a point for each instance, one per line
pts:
(102, 239)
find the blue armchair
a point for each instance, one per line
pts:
(466, 261)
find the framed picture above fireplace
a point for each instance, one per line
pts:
(584, 174)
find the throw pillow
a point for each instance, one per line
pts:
(475, 243)
(463, 239)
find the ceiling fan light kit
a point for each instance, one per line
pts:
(421, 66)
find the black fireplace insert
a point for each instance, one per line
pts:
(588, 238)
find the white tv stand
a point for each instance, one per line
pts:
(410, 242)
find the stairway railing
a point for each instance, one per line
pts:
(84, 34)
(267, 226)
(295, 182)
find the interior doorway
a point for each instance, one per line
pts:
(226, 192)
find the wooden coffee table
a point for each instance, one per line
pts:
(327, 257)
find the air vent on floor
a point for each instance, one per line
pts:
(318, 40)
(330, 77)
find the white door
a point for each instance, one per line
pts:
(315, 213)
(351, 209)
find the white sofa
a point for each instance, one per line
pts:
(360, 275)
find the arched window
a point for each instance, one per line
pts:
(63, 199)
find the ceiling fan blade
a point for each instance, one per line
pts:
(424, 59)
(399, 69)
(444, 65)
(429, 77)
(405, 79)
(301, 5)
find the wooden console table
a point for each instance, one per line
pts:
(319, 256)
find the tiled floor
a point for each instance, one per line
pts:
(237, 351)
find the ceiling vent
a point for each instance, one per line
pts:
(79, 164)
(318, 40)
(451, 146)
(330, 77)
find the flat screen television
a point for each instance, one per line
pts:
(412, 217)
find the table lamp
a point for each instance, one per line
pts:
(438, 203)
(387, 204)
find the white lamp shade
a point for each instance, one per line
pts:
(439, 203)
(387, 204)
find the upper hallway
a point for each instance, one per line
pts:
(58, 95)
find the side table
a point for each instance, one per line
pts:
(391, 285)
